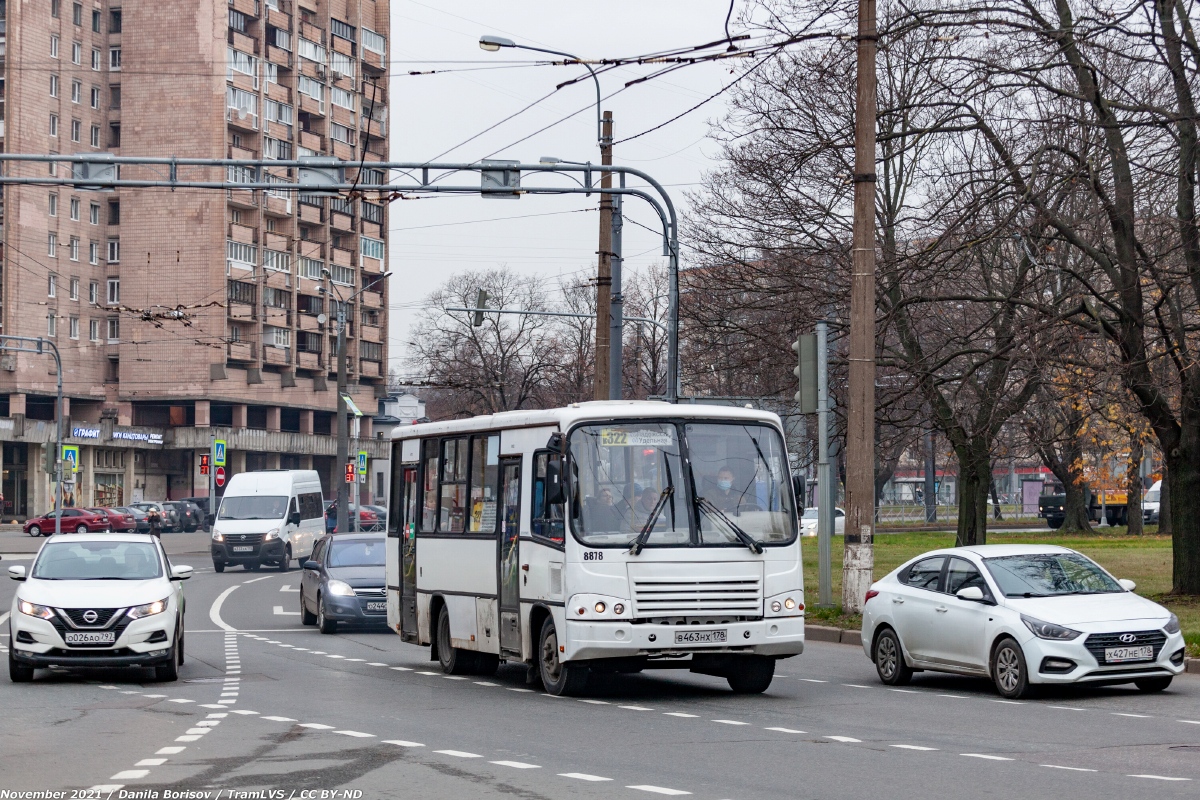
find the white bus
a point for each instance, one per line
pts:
(605, 536)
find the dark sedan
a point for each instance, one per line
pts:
(119, 520)
(344, 581)
(74, 520)
(189, 514)
(141, 520)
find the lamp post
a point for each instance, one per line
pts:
(343, 432)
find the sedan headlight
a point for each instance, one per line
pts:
(148, 610)
(340, 589)
(217, 536)
(34, 610)
(272, 534)
(1048, 630)
(1172, 625)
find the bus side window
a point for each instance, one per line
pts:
(547, 518)
(429, 493)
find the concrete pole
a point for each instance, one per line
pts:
(825, 494)
(616, 362)
(343, 434)
(604, 267)
(858, 561)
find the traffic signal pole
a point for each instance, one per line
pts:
(38, 345)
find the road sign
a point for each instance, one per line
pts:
(220, 476)
(70, 457)
(218, 452)
(350, 470)
(362, 462)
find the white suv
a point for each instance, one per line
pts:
(110, 600)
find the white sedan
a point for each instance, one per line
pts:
(1022, 615)
(808, 522)
(110, 600)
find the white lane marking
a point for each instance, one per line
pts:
(813, 680)
(512, 689)
(299, 649)
(658, 790)
(151, 762)
(256, 580)
(856, 686)
(371, 663)
(316, 726)
(107, 686)
(357, 734)
(730, 722)
(912, 747)
(4, 617)
(984, 755)
(214, 611)
(1009, 702)
(458, 754)
(335, 655)
(678, 714)
(1135, 716)
(905, 691)
(274, 641)
(1191, 721)
(356, 659)
(595, 702)
(783, 730)
(846, 739)
(1150, 777)
(180, 700)
(211, 705)
(224, 703)
(636, 708)
(582, 776)
(154, 695)
(1073, 769)
(280, 719)
(279, 612)
(196, 731)
(402, 743)
(477, 683)
(1066, 708)
(427, 672)
(954, 696)
(288, 588)
(208, 723)
(402, 669)
(128, 691)
(455, 678)
(243, 712)
(129, 774)
(318, 652)
(515, 764)
(169, 751)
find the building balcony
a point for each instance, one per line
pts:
(369, 369)
(251, 8)
(242, 153)
(308, 322)
(279, 356)
(278, 317)
(371, 333)
(312, 32)
(341, 256)
(279, 56)
(241, 41)
(343, 151)
(341, 222)
(242, 198)
(241, 233)
(312, 249)
(372, 299)
(278, 92)
(240, 351)
(278, 205)
(242, 311)
(313, 141)
(373, 61)
(241, 119)
(308, 360)
(275, 241)
(311, 214)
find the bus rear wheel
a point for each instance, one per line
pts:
(560, 679)
(454, 660)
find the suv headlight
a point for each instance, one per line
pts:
(148, 610)
(34, 610)
(1172, 625)
(1048, 630)
(217, 536)
(340, 589)
(271, 534)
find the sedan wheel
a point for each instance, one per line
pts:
(81, 528)
(34, 530)
(324, 623)
(1008, 670)
(889, 660)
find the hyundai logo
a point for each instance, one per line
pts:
(1128, 638)
(90, 618)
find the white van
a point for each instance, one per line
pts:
(1151, 503)
(268, 517)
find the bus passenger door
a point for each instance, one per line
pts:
(509, 555)
(408, 558)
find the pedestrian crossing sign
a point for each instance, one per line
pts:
(70, 457)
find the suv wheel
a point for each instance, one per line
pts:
(18, 673)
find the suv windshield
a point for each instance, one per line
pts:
(253, 507)
(629, 481)
(98, 561)
(356, 553)
(1049, 574)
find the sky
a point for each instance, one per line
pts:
(432, 239)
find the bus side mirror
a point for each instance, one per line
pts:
(554, 488)
(799, 489)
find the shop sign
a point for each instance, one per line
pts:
(137, 436)
(85, 433)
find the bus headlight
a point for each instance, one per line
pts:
(599, 607)
(787, 604)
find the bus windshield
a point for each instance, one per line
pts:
(630, 480)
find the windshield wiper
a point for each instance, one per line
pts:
(754, 544)
(647, 529)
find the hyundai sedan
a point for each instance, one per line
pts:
(98, 601)
(1021, 615)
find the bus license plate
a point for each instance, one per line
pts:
(377, 605)
(243, 548)
(700, 637)
(90, 637)
(1116, 655)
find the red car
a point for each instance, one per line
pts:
(118, 521)
(74, 520)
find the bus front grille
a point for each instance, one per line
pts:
(697, 596)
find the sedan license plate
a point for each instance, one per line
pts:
(1117, 655)
(243, 548)
(376, 605)
(90, 637)
(700, 637)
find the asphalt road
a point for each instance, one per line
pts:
(264, 703)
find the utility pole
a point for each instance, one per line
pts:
(343, 433)
(604, 268)
(858, 561)
(616, 354)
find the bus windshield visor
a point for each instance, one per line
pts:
(255, 506)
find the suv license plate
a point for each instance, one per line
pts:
(243, 548)
(1117, 655)
(700, 637)
(376, 605)
(90, 637)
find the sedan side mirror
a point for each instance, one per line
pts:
(16, 573)
(311, 565)
(1127, 585)
(181, 572)
(972, 593)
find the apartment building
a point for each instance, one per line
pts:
(187, 315)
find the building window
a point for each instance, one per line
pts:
(238, 21)
(76, 53)
(373, 41)
(93, 254)
(74, 206)
(73, 248)
(95, 97)
(313, 88)
(114, 330)
(270, 72)
(51, 244)
(94, 330)
(74, 288)
(54, 47)
(95, 59)
(341, 133)
(310, 268)
(276, 149)
(73, 327)
(51, 324)
(310, 50)
(114, 292)
(54, 124)
(370, 351)
(114, 250)
(95, 21)
(94, 292)
(114, 96)
(371, 248)
(95, 136)
(52, 286)
(76, 127)
(372, 212)
(114, 21)
(114, 134)
(54, 9)
(243, 63)
(242, 106)
(279, 38)
(114, 212)
(54, 86)
(94, 213)
(341, 97)
(341, 30)
(277, 337)
(76, 92)
(340, 274)
(77, 14)
(341, 64)
(114, 58)
(241, 255)
(53, 205)
(277, 260)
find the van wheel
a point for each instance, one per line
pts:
(560, 679)
(326, 624)
(889, 659)
(751, 675)
(219, 566)
(286, 563)
(454, 660)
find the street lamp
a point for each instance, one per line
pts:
(343, 432)
(493, 44)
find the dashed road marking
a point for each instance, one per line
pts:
(954, 696)
(905, 691)
(911, 747)
(357, 734)
(846, 739)
(244, 712)
(582, 776)
(1066, 708)
(1136, 716)
(197, 731)
(1009, 702)
(427, 672)
(169, 751)
(402, 669)
(477, 683)
(783, 730)
(287, 587)
(187, 738)
(1072, 769)
(151, 762)
(636, 708)
(280, 719)
(1148, 777)
(730, 722)
(594, 702)
(372, 663)
(458, 754)
(316, 726)
(130, 774)
(455, 678)
(514, 689)
(515, 764)
(679, 714)
(856, 686)
(402, 743)
(985, 756)
(1191, 721)
(658, 790)
(812, 680)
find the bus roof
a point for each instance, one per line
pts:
(597, 410)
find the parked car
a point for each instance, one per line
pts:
(98, 601)
(1151, 502)
(170, 517)
(119, 520)
(808, 522)
(1021, 615)
(76, 520)
(208, 514)
(189, 514)
(368, 520)
(344, 581)
(380, 514)
(141, 519)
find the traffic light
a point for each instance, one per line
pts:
(351, 471)
(480, 303)
(806, 371)
(204, 463)
(49, 460)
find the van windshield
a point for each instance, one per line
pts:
(254, 507)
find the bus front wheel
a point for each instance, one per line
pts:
(751, 675)
(559, 678)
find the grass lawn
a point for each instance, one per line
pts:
(1144, 559)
